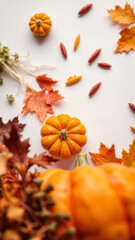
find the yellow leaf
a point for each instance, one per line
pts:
(123, 15)
(72, 80)
(127, 40)
(105, 155)
(129, 158)
(76, 43)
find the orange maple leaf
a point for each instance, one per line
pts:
(40, 102)
(122, 15)
(129, 158)
(45, 82)
(105, 155)
(127, 40)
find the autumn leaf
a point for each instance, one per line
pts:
(5, 156)
(18, 148)
(45, 82)
(42, 160)
(5, 129)
(105, 155)
(129, 157)
(15, 213)
(127, 40)
(122, 15)
(40, 102)
(11, 234)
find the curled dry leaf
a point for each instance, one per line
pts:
(72, 80)
(129, 157)
(132, 106)
(76, 43)
(63, 50)
(45, 82)
(85, 9)
(127, 40)
(122, 15)
(40, 102)
(94, 56)
(105, 155)
(132, 128)
(104, 65)
(94, 89)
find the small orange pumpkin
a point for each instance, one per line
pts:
(63, 136)
(40, 24)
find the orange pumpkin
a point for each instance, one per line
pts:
(63, 136)
(40, 24)
(101, 200)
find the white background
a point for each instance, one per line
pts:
(106, 115)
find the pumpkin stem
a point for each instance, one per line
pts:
(81, 160)
(63, 134)
(38, 22)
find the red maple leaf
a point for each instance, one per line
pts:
(45, 82)
(40, 102)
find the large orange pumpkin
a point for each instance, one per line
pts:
(63, 136)
(101, 200)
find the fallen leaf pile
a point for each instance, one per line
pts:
(25, 209)
(107, 155)
(125, 16)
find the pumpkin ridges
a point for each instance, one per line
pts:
(61, 194)
(73, 146)
(124, 191)
(47, 141)
(64, 119)
(78, 138)
(36, 31)
(65, 152)
(73, 122)
(97, 212)
(48, 130)
(54, 122)
(79, 129)
(55, 148)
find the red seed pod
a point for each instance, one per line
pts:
(94, 56)
(63, 50)
(94, 89)
(104, 65)
(85, 9)
(132, 106)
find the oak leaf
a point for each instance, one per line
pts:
(105, 155)
(122, 15)
(18, 148)
(5, 129)
(42, 160)
(40, 102)
(129, 157)
(45, 82)
(127, 40)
